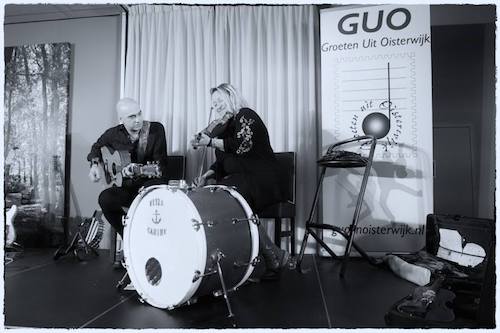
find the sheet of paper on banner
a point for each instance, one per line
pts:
(376, 76)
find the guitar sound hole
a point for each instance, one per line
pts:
(153, 271)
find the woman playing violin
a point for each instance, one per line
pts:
(245, 160)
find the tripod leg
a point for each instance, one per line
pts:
(309, 219)
(302, 248)
(359, 203)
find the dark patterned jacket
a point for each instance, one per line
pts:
(248, 161)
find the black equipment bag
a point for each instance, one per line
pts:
(473, 302)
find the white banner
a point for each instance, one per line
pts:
(376, 79)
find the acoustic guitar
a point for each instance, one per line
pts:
(114, 162)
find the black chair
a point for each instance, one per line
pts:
(336, 158)
(176, 167)
(284, 210)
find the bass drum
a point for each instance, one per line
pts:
(173, 239)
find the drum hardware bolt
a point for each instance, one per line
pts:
(198, 275)
(170, 307)
(220, 292)
(217, 255)
(213, 189)
(197, 224)
(253, 219)
(124, 220)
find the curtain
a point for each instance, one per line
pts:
(176, 54)
(169, 69)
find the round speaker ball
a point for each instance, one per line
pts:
(376, 124)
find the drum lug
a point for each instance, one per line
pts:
(220, 292)
(142, 191)
(254, 219)
(124, 220)
(193, 300)
(198, 275)
(197, 224)
(213, 189)
(254, 262)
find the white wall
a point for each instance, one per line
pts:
(94, 88)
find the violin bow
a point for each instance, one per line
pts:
(204, 154)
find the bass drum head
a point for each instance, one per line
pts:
(163, 250)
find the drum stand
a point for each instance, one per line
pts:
(121, 283)
(217, 257)
(220, 255)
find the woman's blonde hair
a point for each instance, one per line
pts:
(232, 96)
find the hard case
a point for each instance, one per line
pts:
(474, 304)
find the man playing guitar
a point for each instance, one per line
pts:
(143, 142)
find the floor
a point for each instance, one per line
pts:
(67, 293)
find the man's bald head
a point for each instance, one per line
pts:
(129, 114)
(127, 105)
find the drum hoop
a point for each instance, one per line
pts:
(254, 231)
(126, 246)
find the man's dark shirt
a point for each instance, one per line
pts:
(117, 138)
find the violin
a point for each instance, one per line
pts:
(216, 127)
